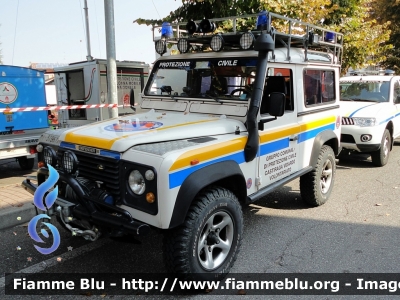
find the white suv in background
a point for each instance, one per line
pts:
(370, 108)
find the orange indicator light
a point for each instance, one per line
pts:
(194, 162)
(150, 198)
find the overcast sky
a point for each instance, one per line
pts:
(53, 31)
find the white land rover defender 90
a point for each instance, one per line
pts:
(225, 127)
(370, 107)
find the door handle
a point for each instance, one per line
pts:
(294, 138)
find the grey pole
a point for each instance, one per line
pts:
(89, 56)
(112, 95)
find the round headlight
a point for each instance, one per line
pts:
(246, 40)
(217, 43)
(136, 182)
(149, 175)
(69, 162)
(49, 156)
(39, 148)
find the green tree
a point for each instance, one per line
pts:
(389, 11)
(364, 38)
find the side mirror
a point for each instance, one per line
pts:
(397, 100)
(276, 104)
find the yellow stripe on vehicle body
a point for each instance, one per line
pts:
(228, 147)
(319, 123)
(209, 152)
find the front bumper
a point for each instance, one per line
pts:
(366, 148)
(90, 209)
(351, 138)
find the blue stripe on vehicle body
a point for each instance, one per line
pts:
(274, 146)
(388, 119)
(357, 110)
(177, 178)
(313, 133)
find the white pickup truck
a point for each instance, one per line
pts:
(370, 107)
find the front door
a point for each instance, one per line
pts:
(278, 153)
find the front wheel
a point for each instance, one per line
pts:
(316, 186)
(208, 242)
(380, 157)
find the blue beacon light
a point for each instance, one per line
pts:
(262, 20)
(166, 30)
(330, 37)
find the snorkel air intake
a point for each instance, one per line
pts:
(263, 45)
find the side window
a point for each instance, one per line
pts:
(396, 94)
(319, 86)
(278, 80)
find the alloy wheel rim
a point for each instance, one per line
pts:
(215, 240)
(326, 176)
(386, 146)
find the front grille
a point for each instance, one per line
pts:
(98, 168)
(347, 121)
(347, 138)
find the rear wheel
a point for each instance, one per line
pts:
(316, 186)
(381, 156)
(26, 163)
(208, 242)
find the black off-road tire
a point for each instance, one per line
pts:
(380, 157)
(316, 186)
(214, 222)
(26, 163)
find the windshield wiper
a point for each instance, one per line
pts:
(346, 99)
(214, 96)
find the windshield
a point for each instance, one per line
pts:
(219, 79)
(374, 91)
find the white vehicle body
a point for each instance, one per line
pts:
(86, 83)
(219, 128)
(370, 105)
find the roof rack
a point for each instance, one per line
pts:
(293, 33)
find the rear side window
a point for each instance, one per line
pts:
(319, 87)
(396, 95)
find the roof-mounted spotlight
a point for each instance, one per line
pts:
(166, 30)
(262, 20)
(192, 27)
(161, 47)
(247, 40)
(217, 43)
(183, 45)
(207, 26)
